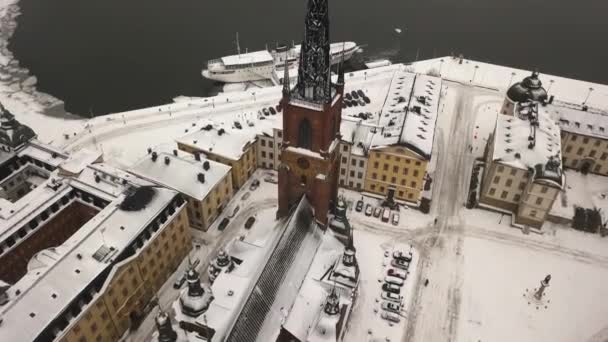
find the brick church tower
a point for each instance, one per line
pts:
(311, 122)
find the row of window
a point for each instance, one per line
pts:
(394, 179)
(586, 140)
(352, 173)
(516, 197)
(400, 193)
(385, 166)
(270, 155)
(597, 168)
(591, 154)
(270, 143)
(353, 162)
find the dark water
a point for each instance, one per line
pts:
(114, 55)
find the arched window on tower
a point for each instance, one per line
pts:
(305, 134)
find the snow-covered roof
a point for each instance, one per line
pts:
(44, 153)
(393, 114)
(181, 174)
(248, 58)
(73, 268)
(408, 117)
(519, 143)
(358, 133)
(419, 129)
(77, 161)
(232, 141)
(312, 295)
(574, 120)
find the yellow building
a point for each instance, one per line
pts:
(133, 282)
(584, 138)
(96, 284)
(396, 169)
(523, 172)
(236, 148)
(206, 184)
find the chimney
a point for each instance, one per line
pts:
(197, 156)
(154, 156)
(206, 165)
(167, 160)
(201, 178)
(97, 179)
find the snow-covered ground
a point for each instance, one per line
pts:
(501, 77)
(586, 191)
(409, 219)
(366, 323)
(42, 112)
(496, 276)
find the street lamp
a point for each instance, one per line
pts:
(440, 66)
(588, 94)
(474, 73)
(550, 85)
(511, 80)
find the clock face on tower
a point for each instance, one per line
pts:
(303, 163)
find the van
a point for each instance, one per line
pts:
(386, 215)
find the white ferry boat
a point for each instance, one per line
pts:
(259, 65)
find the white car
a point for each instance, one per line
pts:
(391, 316)
(391, 296)
(395, 219)
(393, 280)
(368, 210)
(393, 272)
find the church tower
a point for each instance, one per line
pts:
(311, 122)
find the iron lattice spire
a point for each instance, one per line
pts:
(314, 73)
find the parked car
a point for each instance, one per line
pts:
(179, 281)
(392, 307)
(234, 211)
(377, 212)
(391, 288)
(402, 256)
(404, 265)
(272, 110)
(245, 196)
(368, 210)
(265, 111)
(390, 316)
(359, 206)
(391, 296)
(393, 272)
(386, 215)
(270, 180)
(393, 280)
(250, 221)
(254, 185)
(223, 224)
(395, 219)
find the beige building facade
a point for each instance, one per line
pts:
(132, 283)
(396, 169)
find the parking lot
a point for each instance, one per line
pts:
(381, 310)
(403, 217)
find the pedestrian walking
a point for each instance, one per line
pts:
(426, 282)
